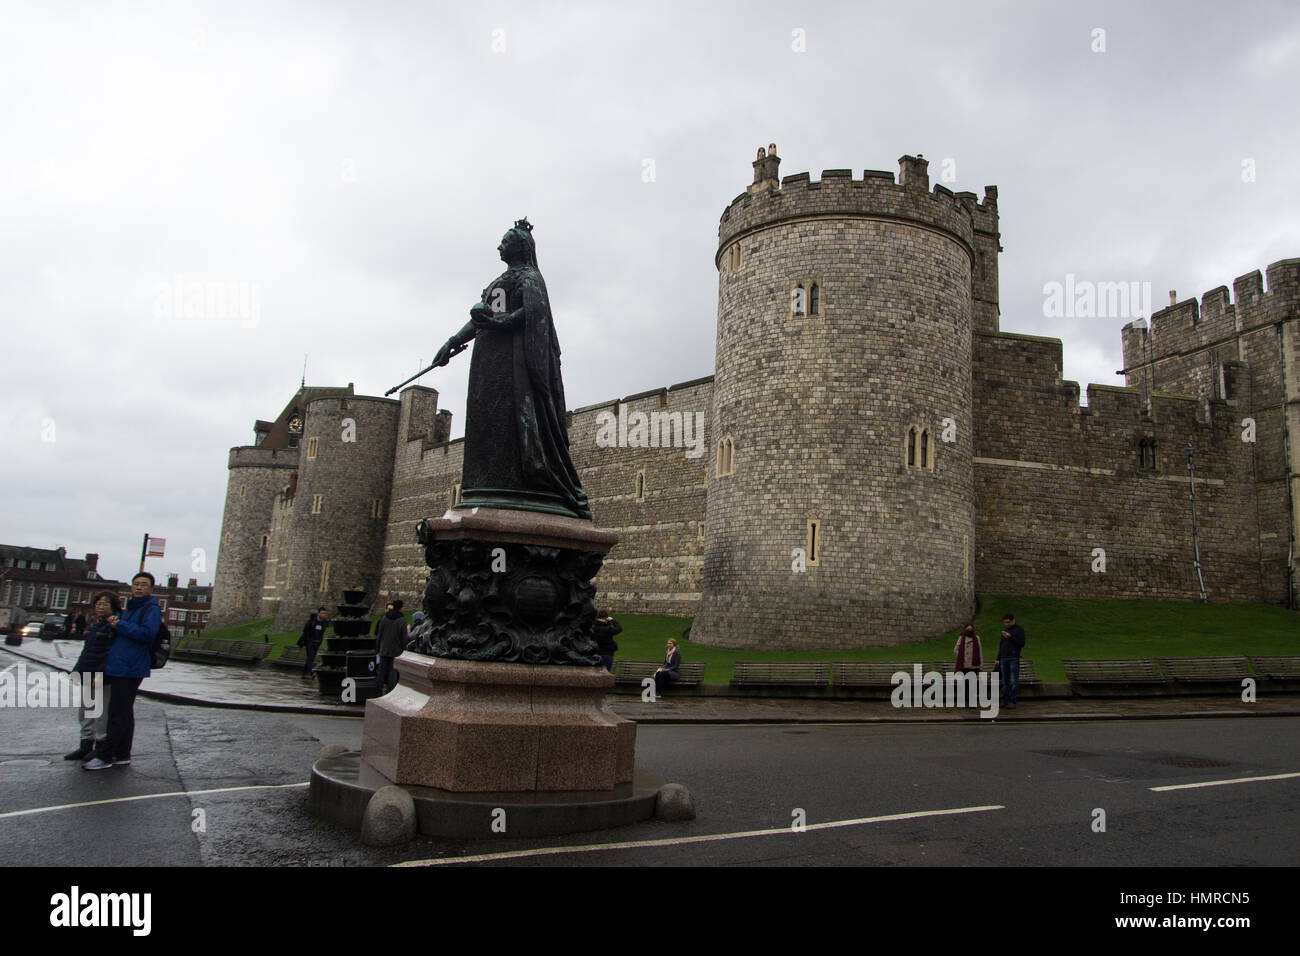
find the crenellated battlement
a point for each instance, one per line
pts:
(1190, 324)
(876, 196)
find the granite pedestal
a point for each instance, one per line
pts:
(467, 726)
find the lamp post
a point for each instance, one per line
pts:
(1196, 548)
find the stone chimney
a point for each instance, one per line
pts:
(914, 173)
(92, 562)
(173, 580)
(767, 170)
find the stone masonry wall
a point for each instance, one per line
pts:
(1244, 349)
(1054, 481)
(255, 475)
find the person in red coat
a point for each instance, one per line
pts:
(970, 656)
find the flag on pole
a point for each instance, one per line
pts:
(156, 547)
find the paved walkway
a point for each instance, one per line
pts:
(267, 688)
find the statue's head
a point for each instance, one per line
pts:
(517, 244)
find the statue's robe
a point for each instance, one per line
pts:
(516, 439)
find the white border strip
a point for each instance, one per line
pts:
(149, 796)
(1224, 783)
(682, 841)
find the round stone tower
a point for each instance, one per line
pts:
(255, 476)
(840, 496)
(340, 510)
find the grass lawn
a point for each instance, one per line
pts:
(1056, 628)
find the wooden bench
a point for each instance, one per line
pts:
(214, 650)
(1206, 670)
(1129, 671)
(781, 674)
(633, 672)
(1278, 667)
(873, 673)
(1027, 673)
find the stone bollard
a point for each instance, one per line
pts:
(390, 818)
(674, 803)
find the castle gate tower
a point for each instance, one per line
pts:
(840, 494)
(340, 512)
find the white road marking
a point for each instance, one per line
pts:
(149, 796)
(1221, 783)
(682, 841)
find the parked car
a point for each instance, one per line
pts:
(52, 626)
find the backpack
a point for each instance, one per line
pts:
(162, 647)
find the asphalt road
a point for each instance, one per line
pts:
(1046, 780)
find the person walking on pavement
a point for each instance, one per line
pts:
(1009, 648)
(126, 666)
(313, 632)
(393, 637)
(90, 665)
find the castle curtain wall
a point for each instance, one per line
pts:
(1054, 482)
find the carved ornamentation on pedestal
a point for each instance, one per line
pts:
(508, 601)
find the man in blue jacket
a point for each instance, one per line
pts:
(128, 662)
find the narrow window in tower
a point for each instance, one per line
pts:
(288, 570)
(455, 493)
(814, 299)
(263, 543)
(239, 599)
(911, 448)
(311, 447)
(377, 507)
(316, 502)
(700, 525)
(725, 456)
(640, 485)
(324, 576)
(814, 541)
(242, 490)
(226, 539)
(925, 448)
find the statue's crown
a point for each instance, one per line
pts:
(524, 224)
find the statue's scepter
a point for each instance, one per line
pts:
(456, 350)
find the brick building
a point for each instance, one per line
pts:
(871, 452)
(40, 581)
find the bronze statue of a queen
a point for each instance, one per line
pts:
(516, 439)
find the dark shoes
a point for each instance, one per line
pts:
(85, 750)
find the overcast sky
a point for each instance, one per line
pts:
(347, 169)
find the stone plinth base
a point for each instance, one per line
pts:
(471, 726)
(342, 785)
